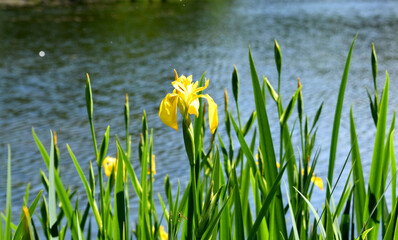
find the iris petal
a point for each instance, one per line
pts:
(213, 115)
(108, 165)
(194, 107)
(318, 182)
(168, 110)
(202, 88)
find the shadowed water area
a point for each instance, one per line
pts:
(134, 47)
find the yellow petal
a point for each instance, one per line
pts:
(163, 234)
(318, 182)
(194, 107)
(213, 115)
(309, 170)
(168, 111)
(108, 164)
(153, 166)
(202, 88)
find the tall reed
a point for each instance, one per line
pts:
(232, 193)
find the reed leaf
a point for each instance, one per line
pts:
(266, 204)
(336, 122)
(19, 232)
(7, 234)
(119, 219)
(51, 196)
(375, 178)
(358, 179)
(267, 147)
(316, 216)
(392, 224)
(89, 193)
(239, 225)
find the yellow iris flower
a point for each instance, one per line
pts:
(109, 164)
(185, 96)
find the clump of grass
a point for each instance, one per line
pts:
(215, 204)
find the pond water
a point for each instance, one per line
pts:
(134, 47)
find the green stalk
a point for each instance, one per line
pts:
(8, 201)
(89, 104)
(278, 62)
(102, 206)
(190, 149)
(126, 186)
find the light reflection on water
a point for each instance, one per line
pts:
(133, 48)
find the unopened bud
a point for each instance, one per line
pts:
(226, 100)
(55, 138)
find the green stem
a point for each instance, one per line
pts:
(94, 140)
(192, 204)
(188, 135)
(102, 207)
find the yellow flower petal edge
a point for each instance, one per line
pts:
(213, 116)
(185, 96)
(168, 111)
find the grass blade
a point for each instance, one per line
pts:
(266, 204)
(239, 226)
(8, 201)
(41, 148)
(267, 147)
(358, 179)
(91, 200)
(26, 220)
(294, 226)
(119, 214)
(316, 216)
(32, 209)
(336, 122)
(375, 178)
(51, 196)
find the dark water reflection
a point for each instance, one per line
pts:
(133, 48)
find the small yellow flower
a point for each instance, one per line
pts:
(316, 180)
(186, 98)
(153, 168)
(109, 164)
(162, 233)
